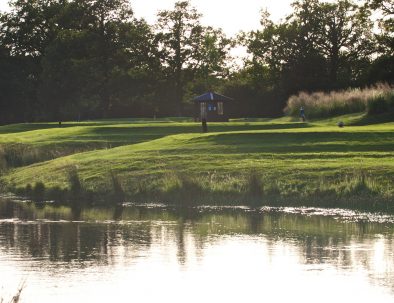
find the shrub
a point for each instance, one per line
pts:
(3, 161)
(29, 190)
(38, 194)
(76, 188)
(255, 187)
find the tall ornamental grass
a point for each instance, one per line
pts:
(373, 100)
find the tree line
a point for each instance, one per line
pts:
(84, 59)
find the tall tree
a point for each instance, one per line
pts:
(288, 51)
(187, 48)
(107, 18)
(180, 35)
(343, 32)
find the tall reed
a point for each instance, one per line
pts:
(372, 100)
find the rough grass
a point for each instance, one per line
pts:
(239, 162)
(378, 99)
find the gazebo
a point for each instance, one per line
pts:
(210, 107)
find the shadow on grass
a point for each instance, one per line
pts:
(306, 142)
(375, 119)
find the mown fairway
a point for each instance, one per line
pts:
(161, 159)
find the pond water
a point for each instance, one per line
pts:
(163, 254)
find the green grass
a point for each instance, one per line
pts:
(263, 162)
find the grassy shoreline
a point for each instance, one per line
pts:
(277, 162)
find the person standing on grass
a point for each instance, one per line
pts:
(302, 114)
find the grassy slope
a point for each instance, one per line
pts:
(289, 158)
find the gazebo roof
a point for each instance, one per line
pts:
(211, 96)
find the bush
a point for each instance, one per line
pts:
(76, 190)
(118, 194)
(57, 194)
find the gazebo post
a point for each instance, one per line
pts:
(204, 125)
(203, 115)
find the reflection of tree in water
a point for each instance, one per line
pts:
(120, 233)
(73, 241)
(326, 241)
(40, 235)
(180, 241)
(256, 221)
(118, 212)
(183, 231)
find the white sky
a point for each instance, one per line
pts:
(230, 15)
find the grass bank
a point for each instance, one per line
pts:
(270, 162)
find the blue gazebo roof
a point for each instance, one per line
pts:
(211, 96)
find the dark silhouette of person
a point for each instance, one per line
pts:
(302, 114)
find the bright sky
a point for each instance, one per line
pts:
(231, 16)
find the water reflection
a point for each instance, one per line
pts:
(68, 249)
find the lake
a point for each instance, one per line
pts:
(154, 253)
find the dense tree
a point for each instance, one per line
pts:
(25, 32)
(106, 20)
(70, 77)
(30, 26)
(93, 65)
(337, 32)
(70, 59)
